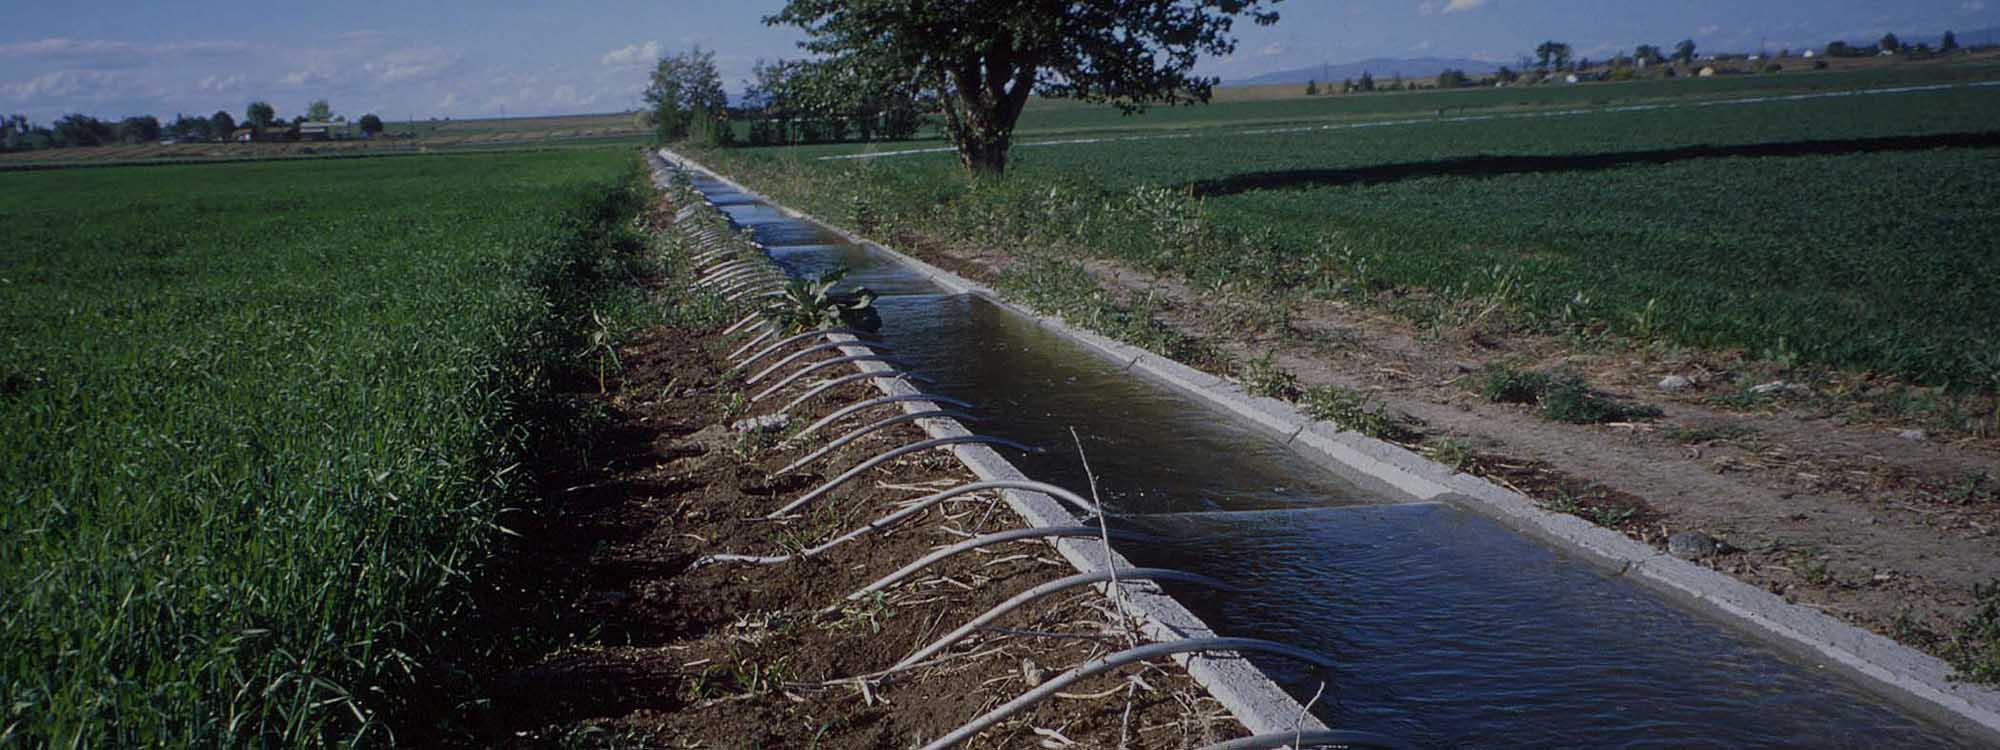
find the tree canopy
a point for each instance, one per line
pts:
(984, 59)
(370, 124)
(1684, 52)
(260, 115)
(319, 111)
(685, 86)
(1552, 54)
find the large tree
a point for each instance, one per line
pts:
(260, 115)
(1684, 52)
(1552, 54)
(984, 58)
(319, 111)
(685, 86)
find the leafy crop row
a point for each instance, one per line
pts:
(256, 423)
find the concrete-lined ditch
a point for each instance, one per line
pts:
(1355, 529)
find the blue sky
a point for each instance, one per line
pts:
(459, 58)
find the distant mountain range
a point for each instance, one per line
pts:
(1383, 68)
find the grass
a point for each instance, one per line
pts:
(1803, 231)
(1056, 287)
(1975, 643)
(1560, 396)
(259, 421)
(1352, 410)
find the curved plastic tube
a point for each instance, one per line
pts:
(860, 432)
(874, 402)
(1056, 586)
(735, 267)
(1316, 738)
(731, 270)
(801, 372)
(794, 356)
(720, 261)
(741, 280)
(832, 383)
(769, 331)
(768, 287)
(881, 458)
(998, 537)
(762, 327)
(738, 325)
(787, 341)
(1114, 661)
(746, 293)
(753, 276)
(708, 258)
(884, 522)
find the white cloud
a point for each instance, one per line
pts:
(418, 64)
(1432, 7)
(220, 84)
(1273, 49)
(1973, 6)
(307, 77)
(1707, 30)
(632, 56)
(1423, 46)
(71, 85)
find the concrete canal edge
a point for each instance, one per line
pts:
(1899, 674)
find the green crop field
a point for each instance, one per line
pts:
(1052, 118)
(256, 423)
(1853, 231)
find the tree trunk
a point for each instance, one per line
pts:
(984, 152)
(982, 100)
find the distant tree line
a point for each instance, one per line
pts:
(786, 102)
(17, 133)
(1554, 60)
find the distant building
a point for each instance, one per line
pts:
(1707, 71)
(1810, 54)
(317, 131)
(244, 135)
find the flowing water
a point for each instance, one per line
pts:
(1452, 631)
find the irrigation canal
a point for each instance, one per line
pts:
(1452, 630)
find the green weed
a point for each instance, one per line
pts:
(1263, 378)
(1563, 397)
(1352, 410)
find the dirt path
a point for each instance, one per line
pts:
(1829, 505)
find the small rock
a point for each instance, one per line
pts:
(1031, 672)
(1693, 545)
(1464, 367)
(1675, 383)
(766, 423)
(1915, 436)
(1770, 388)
